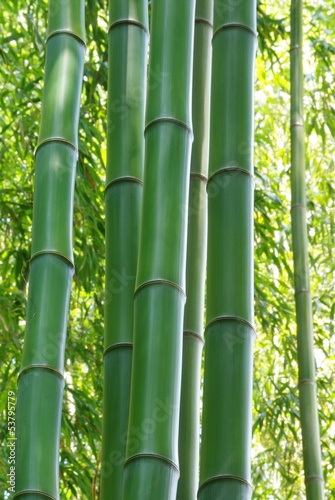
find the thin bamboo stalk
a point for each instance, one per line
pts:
(306, 362)
(151, 467)
(196, 256)
(41, 380)
(225, 463)
(127, 61)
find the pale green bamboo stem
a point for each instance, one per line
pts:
(306, 362)
(41, 381)
(225, 462)
(127, 60)
(151, 468)
(196, 256)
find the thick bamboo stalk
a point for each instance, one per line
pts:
(196, 256)
(127, 61)
(306, 362)
(225, 468)
(41, 381)
(151, 468)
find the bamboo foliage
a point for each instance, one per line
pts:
(306, 362)
(227, 401)
(127, 45)
(196, 256)
(41, 380)
(151, 467)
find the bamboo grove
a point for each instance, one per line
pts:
(179, 254)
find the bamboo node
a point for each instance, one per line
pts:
(306, 381)
(123, 178)
(193, 335)
(295, 47)
(169, 119)
(66, 32)
(52, 252)
(314, 478)
(56, 139)
(235, 25)
(297, 205)
(223, 477)
(298, 292)
(116, 346)
(224, 170)
(34, 492)
(152, 455)
(43, 367)
(160, 281)
(202, 20)
(128, 21)
(197, 175)
(231, 318)
(297, 124)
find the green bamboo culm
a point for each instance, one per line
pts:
(41, 380)
(127, 62)
(196, 256)
(225, 459)
(307, 386)
(151, 467)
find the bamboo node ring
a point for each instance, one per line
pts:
(198, 175)
(160, 281)
(66, 32)
(231, 318)
(235, 25)
(298, 292)
(52, 252)
(314, 478)
(295, 47)
(203, 20)
(223, 477)
(116, 346)
(56, 139)
(306, 381)
(43, 367)
(297, 205)
(152, 455)
(128, 21)
(193, 335)
(123, 178)
(34, 492)
(169, 119)
(297, 124)
(224, 170)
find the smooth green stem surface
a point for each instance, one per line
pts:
(196, 257)
(151, 468)
(41, 381)
(225, 462)
(307, 386)
(127, 61)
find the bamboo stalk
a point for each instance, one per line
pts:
(127, 41)
(41, 380)
(306, 362)
(225, 463)
(196, 256)
(151, 467)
